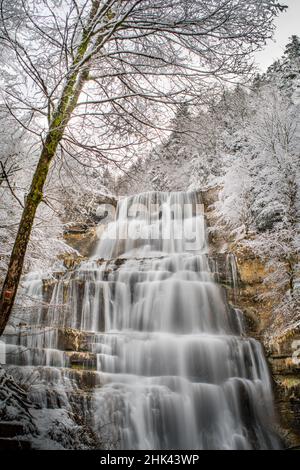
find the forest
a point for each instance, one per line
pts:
(123, 121)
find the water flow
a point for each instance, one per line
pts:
(179, 373)
(174, 368)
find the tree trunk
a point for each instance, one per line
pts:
(62, 116)
(77, 77)
(15, 267)
(60, 120)
(57, 127)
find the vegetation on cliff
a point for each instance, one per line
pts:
(247, 146)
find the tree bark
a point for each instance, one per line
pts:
(15, 267)
(68, 101)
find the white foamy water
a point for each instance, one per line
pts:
(174, 368)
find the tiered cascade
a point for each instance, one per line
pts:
(165, 358)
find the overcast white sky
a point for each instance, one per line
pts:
(287, 23)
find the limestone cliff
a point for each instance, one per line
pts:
(282, 350)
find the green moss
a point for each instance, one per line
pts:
(82, 367)
(290, 381)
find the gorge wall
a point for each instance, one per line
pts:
(63, 354)
(141, 345)
(282, 351)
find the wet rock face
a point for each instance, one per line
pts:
(83, 239)
(252, 273)
(123, 340)
(284, 359)
(288, 405)
(78, 366)
(284, 355)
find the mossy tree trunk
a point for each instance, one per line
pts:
(68, 101)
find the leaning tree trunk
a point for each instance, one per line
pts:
(33, 199)
(15, 267)
(68, 101)
(62, 116)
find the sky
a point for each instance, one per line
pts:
(287, 23)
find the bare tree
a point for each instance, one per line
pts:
(92, 74)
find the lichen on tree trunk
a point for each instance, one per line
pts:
(76, 79)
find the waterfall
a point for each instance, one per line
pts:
(172, 367)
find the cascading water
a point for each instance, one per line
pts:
(174, 369)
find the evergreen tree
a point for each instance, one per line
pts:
(285, 72)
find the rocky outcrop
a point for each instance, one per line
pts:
(248, 297)
(243, 276)
(282, 352)
(16, 421)
(82, 238)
